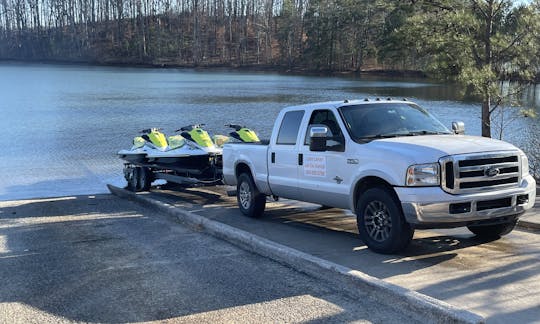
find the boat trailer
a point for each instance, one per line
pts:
(139, 176)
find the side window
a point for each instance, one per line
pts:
(288, 131)
(335, 140)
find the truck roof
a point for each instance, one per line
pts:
(354, 102)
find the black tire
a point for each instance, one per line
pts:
(492, 231)
(132, 178)
(138, 178)
(144, 179)
(380, 221)
(250, 201)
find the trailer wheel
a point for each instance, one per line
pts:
(145, 179)
(492, 231)
(138, 178)
(250, 201)
(380, 221)
(132, 177)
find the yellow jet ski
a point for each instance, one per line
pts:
(149, 140)
(243, 134)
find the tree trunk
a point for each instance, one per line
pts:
(195, 49)
(486, 120)
(488, 62)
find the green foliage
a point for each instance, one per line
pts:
(393, 46)
(530, 112)
(476, 43)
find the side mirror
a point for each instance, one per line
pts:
(458, 127)
(318, 135)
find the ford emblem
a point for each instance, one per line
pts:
(491, 172)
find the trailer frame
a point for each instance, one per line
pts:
(140, 175)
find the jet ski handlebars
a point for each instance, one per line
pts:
(150, 130)
(190, 127)
(234, 126)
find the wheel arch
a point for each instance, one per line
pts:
(260, 180)
(242, 167)
(368, 182)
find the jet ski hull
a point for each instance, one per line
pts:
(133, 156)
(190, 164)
(188, 157)
(193, 161)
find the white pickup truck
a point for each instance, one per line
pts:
(390, 162)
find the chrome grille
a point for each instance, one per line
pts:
(477, 172)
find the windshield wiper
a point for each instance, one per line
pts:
(427, 132)
(411, 133)
(388, 135)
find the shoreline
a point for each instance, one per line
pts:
(166, 64)
(374, 72)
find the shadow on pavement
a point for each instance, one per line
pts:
(104, 259)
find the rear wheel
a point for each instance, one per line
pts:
(145, 179)
(493, 231)
(138, 178)
(250, 201)
(380, 221)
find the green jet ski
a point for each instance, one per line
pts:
(151, 139)
(243, 134)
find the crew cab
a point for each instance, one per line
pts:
(390, 162)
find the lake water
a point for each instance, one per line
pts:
(62, 125)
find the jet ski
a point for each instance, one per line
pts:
(192, 149)
(151, 139)
(243, 134)
(191, 157)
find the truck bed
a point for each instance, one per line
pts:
(253, 155)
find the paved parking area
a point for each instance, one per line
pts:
(499, 280)
(104, 259)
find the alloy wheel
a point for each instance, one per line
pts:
(245, 195)
(378, 221)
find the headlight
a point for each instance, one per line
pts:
(524, 165)
(423, 175)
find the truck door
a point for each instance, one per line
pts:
(283, 157)
(324, 177)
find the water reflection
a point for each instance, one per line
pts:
(531, 96)
(432, 92)
(524, 95)
(67, 122)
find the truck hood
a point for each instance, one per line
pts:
(430, 148)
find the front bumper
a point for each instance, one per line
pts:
(432, 207)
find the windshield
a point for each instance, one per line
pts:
(382, 120)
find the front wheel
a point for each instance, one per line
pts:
(250, 201)
(493, 231)
(132, 177)
(380, 221)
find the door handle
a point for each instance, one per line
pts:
(300, 159)
(273, 157)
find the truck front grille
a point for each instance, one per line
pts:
(477, 172)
